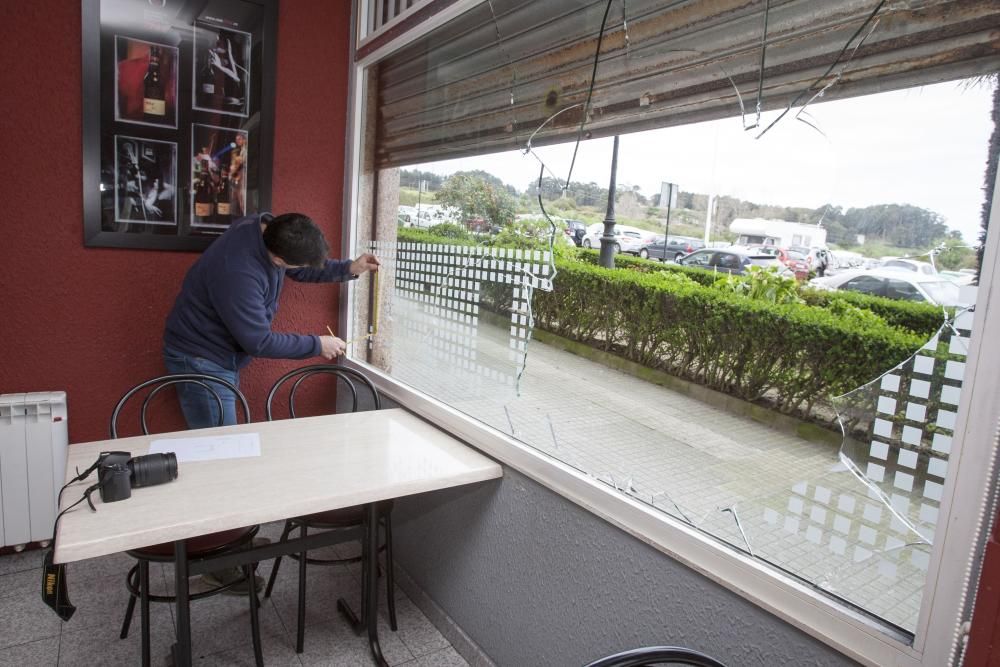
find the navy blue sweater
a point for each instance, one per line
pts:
(230, 296)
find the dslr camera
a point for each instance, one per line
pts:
(118, 473)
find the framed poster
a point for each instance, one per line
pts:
(178, 117)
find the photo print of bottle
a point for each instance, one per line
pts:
(145, 82)
(218, 176)
(145, 181)
(221, 69)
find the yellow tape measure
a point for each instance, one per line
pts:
(374, 330)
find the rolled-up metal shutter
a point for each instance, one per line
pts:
(487, 80)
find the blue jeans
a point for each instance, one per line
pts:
(201, 409)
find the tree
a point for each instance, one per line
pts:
(955, 256)
(410, 178)
(584, 194)
(901, 225)
(490, 179)
(474, 197)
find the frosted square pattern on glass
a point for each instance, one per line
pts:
(920, 388)
(907, 458)
(899, 454)
(937, 467)
(886, 405)
(954, 370)
(911, 435)
(950, 395)
(923, 365)
(890, 383)
(916, 412)
(880, 450)
(941, 443)
(903, 481)
(946, 419)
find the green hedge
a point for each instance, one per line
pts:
(797, 353)
(921, 318)
(623, 261)
(670, 317)
(417, 235)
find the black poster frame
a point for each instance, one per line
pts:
(240, 129)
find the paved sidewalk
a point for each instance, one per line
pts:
(799, 507)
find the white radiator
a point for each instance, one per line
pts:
(33, 441)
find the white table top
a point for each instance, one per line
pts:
(306, 465)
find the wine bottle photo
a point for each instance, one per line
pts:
(145, 181)
(145, 82)
(218, 175)
(221, 70)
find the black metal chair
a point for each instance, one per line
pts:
(137, 579)
(342, 519)
(657, 655)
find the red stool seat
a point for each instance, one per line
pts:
(342, 518)
(196, 546)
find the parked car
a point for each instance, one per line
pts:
(676, 246)
(894, 284)
(793, 259)
(925, 268)
(625, 240)
(732, 260)
(576, 230)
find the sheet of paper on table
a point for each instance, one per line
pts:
(209, 448)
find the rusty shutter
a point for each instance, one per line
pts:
(489, 79)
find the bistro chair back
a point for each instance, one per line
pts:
(158, 384)
(350, 377)
(137, 579)
(652, 656)
(348, 518)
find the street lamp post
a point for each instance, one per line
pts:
(671, 188)
(607, 259)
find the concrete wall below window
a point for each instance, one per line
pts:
(534, 579)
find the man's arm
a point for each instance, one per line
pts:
(336, 270)
(239, 301)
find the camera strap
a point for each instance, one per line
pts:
(54, 591)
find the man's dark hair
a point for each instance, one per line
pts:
(296, 239)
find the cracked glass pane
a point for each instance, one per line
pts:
(703, 393)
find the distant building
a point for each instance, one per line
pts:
(779, 233)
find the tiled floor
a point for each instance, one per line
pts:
(31, 634)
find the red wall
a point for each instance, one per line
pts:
(89, 321)
(984, 639)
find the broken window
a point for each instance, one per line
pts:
(475, 311)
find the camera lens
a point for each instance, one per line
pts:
(153, 469)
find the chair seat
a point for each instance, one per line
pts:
(342, 518)
(198, 546)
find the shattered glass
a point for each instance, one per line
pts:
(855, 521)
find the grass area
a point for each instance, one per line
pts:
(877, 249)
(410, 197)
(683, 222)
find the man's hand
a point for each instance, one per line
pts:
(365, 262)
(331, 347)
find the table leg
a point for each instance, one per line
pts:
(182, 649)
(371, 581)
(369, 587)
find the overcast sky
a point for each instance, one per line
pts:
(923, 146)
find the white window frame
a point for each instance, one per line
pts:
(941, 625)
